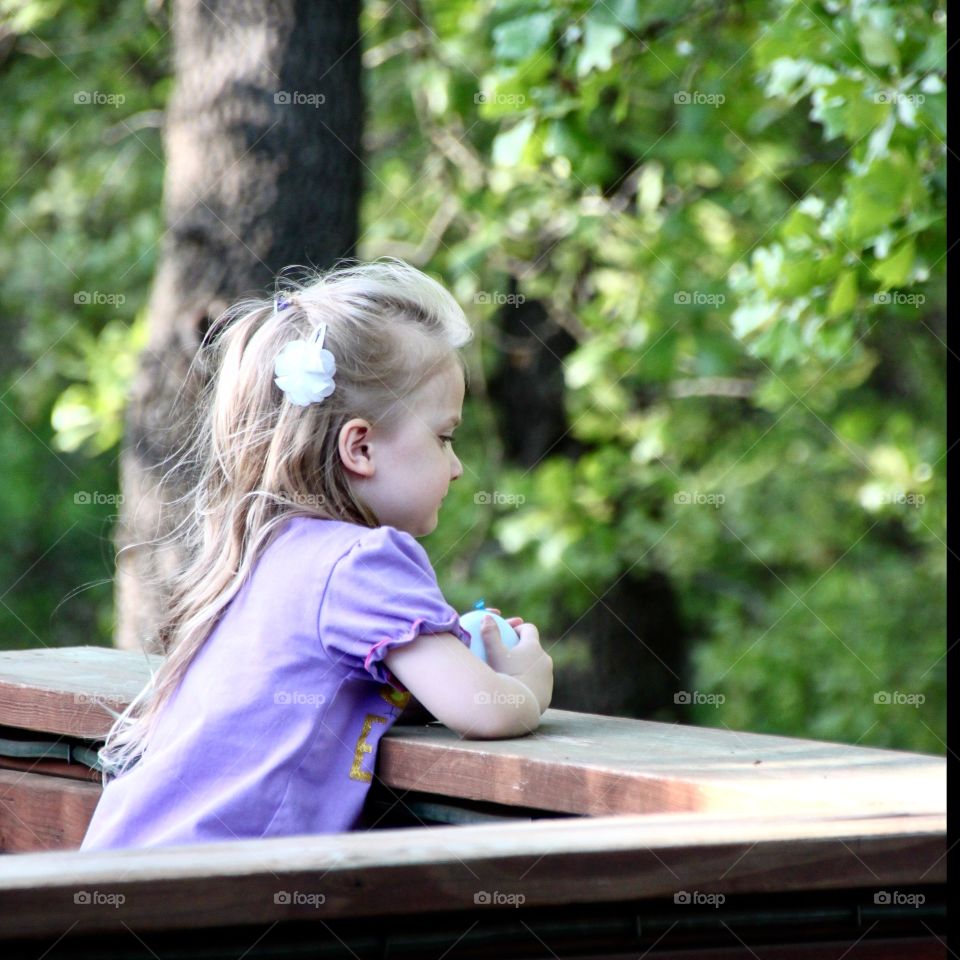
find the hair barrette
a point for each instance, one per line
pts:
(304, 370)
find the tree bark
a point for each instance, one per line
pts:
(263, 171)
(527, 388)
(636, 635)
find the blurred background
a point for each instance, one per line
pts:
(702, 247)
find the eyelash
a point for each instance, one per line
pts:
(447, 439)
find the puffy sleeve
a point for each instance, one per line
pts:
(382, 593)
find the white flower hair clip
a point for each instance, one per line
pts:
(304, 370)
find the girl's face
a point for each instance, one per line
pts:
(412, 464)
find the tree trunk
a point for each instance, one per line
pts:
(263, 171)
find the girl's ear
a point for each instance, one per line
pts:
(354, 446)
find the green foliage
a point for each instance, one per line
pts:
(90, 412)
(736, 210)
(875, 86)
(739, 213)
(81, 220)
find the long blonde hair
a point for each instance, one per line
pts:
(255, 460)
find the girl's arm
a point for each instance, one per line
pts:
(462, 692)
(415, 713)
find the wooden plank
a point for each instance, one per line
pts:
(549, 862)
(67, 689)
(590, 764)
(574, 763)
(51, 768)
(905, 948)
(40, 812)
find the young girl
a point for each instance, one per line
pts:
(309, 614)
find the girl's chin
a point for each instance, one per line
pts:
(422, 529)
(431, 524)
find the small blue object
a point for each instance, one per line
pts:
(472, 621)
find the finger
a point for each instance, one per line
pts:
(515, 621)
(528, 633)
(496, 653)
(493, 610)
(490, 634)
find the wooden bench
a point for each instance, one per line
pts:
(591, 830)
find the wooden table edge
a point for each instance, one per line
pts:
(551, 862)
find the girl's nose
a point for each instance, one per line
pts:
(456, 469)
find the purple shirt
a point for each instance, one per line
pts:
(273, 730)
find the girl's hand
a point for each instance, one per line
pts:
(527, 661)
(513, 621)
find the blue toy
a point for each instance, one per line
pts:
(472, 621)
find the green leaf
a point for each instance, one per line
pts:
(518, 39)
(599, 41)
(621, 11)
(25, 16)
(508, 146)
(887, 190)
(750, 317)
(844, 296)
(650, 187)
(895, 269)
(794, 78)
(565, 139)
(843, 107)
(879, 49)
(934, 56)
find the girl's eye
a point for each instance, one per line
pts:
(447, 439)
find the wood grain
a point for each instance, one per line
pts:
(549, 862)
(68, 690)
(595, 765)
(54, 768)
(39, 812)
(574, 763)
(715, 811)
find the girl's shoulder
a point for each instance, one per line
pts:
(311, 540)
(347, 563)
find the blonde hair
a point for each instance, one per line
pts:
(255, 460)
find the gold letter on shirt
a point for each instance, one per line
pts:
(394, 697)
(356, 773)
